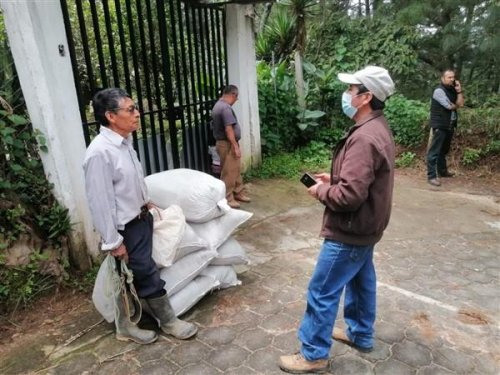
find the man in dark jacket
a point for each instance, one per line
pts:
(357, 195)
(446, 99)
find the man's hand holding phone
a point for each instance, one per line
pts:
(323, 177)
(312, 183)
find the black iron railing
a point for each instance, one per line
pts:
(169, 55)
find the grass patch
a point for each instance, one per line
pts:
(313, 158)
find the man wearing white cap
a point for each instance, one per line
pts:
(357, 195)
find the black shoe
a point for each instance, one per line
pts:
(446, 174)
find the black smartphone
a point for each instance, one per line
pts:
(308, 180)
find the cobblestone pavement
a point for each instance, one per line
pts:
(438, 298)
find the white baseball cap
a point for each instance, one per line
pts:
(374, 78)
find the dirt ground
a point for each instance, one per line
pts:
(20, 328)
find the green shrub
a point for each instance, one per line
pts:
(277, 109)
(20, 285)
(471, 156)
(480, 120)
(313, 158)
(28, 210)
(406, 160)
(493, 147)
(407, 119)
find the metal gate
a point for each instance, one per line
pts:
(169, 55)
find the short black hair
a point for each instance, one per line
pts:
(230, 89)
(375, 103)
(107, 100)
(444, 71)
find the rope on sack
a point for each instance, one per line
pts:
(129, 294)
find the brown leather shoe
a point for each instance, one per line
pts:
(233, 204)
(242, 198)
(297, 364)
(434, 182)
(339, 335)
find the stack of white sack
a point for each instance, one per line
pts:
(203, 258)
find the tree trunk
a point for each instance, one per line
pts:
(299, 80)
(360, 8)
(265, 16)
(299, 53)
(367, 8)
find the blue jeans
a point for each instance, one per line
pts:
(339, 265)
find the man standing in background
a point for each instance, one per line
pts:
(227, 133)
(446, 99)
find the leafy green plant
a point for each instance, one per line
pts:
(277, 107)
(471, 156)
(28, 210)
(309, 118)
(406, 159)
(493, 147)
(314, 157)
(407, 119)
(83, 282)
(20, 285)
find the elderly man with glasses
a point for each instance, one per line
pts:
(119, 202)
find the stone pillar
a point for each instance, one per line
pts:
(242, 73)
(36, 36)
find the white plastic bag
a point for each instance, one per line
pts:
(216, 231)
(185, 269)
(230, 253)
(169, 228)
(190, 243)
(106, 286)
(201, 196)
(191, 294)
(225, 275)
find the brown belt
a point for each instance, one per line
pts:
(143, 214)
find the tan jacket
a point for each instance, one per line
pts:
(358, 201)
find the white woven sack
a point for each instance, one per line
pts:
(106, 286)
(200, 195)
(190, 243)
(218, 230)
(225, 275)
(169, 226)
(191, 294)
(230, 253)
(179, 274)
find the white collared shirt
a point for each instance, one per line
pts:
(114, 183)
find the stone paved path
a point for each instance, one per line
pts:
(438, 298)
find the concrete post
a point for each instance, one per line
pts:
(242, 73)
(36, 35)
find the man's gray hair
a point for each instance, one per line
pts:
(107, 100)
(230, 89)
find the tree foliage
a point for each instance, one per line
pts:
(413, 39)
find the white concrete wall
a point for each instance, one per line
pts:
(242, 73)
(35, 30)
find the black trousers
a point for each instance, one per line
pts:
(138, 238)
(436, 155)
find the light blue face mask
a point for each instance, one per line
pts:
(348, 109)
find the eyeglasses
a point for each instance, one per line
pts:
(130, 109)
